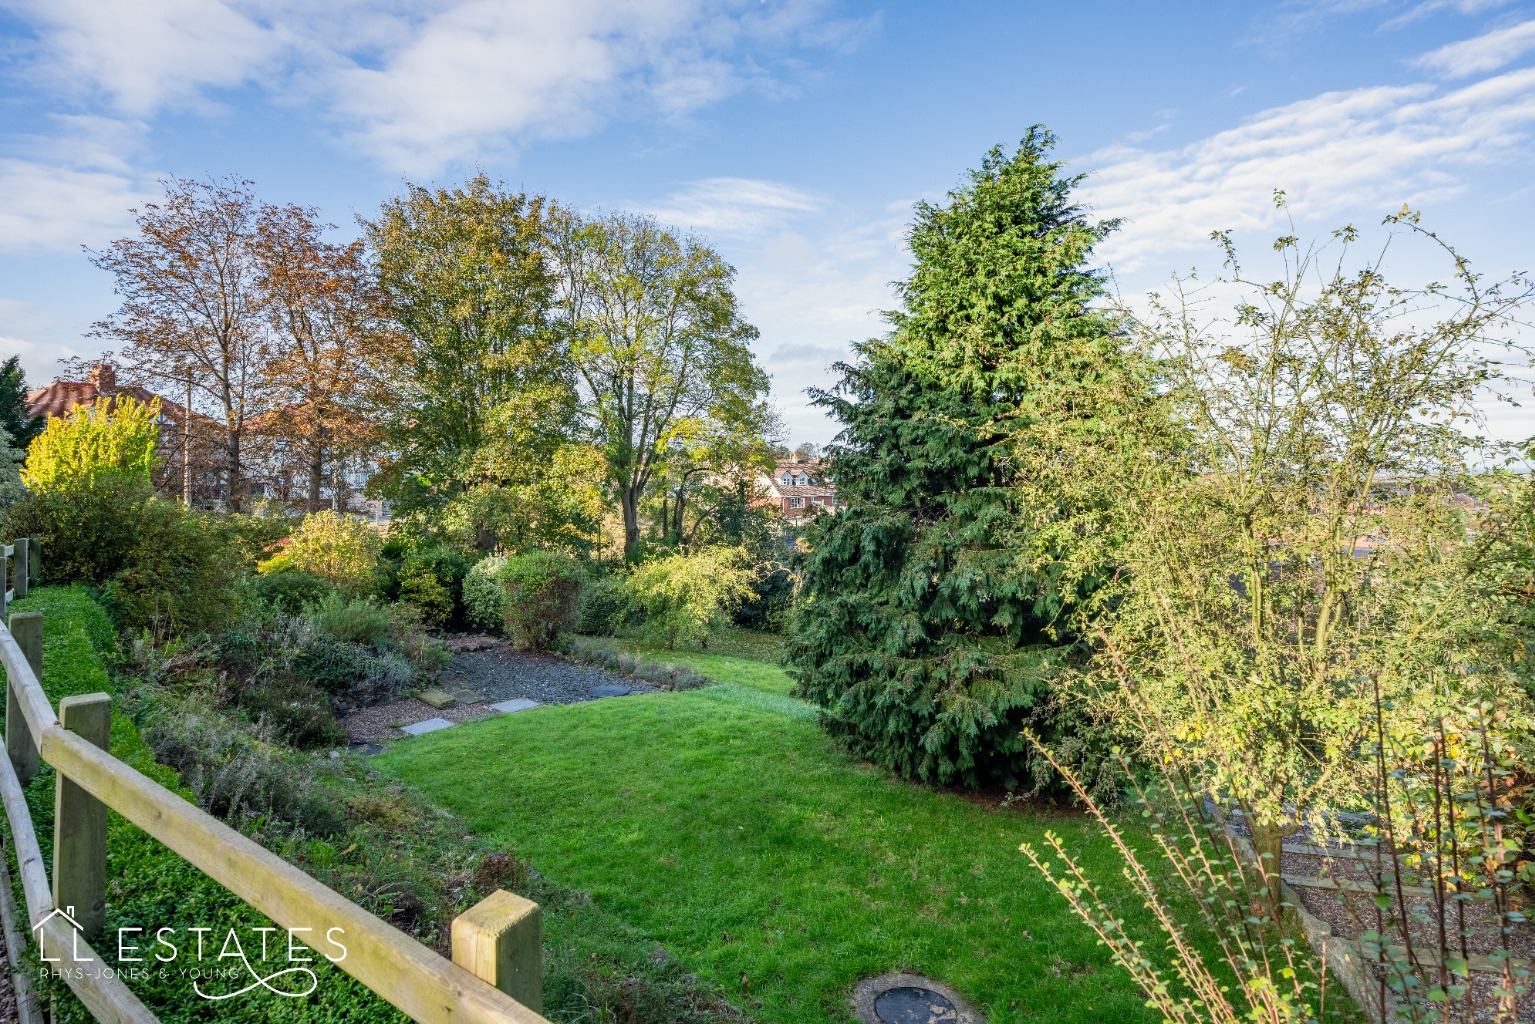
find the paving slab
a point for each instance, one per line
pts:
(519, 704)
(430, 725)
(439, 699)
(610, 690)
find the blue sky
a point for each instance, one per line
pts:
(795, 134)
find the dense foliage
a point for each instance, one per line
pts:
(341, 549)
(156, 563)
(543, 591)
(680, 599)
(117, 436)
(920, 631)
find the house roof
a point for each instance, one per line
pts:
(63, 396)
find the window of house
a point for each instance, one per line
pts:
(786, 479)
(796, 502)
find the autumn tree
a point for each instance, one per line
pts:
(465, 278)
(191, 312)
(331, 361)
(656, 339)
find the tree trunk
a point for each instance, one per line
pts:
(631, 507)
(186, 447)
(1268, 844)
(316, 479)
(232, 495)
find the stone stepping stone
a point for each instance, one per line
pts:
(439, 699)
(609, 690)
(430, 725)
(513, 706)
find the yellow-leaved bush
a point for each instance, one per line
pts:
(118, 435)
(341, 549)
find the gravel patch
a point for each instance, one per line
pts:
(377, 724)
(502, 673)
(495, 672)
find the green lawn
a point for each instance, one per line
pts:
(737, 656)
(723, 823)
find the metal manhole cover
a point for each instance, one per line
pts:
(910, 999)
(912, 1005)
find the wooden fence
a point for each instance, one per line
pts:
(495, 974)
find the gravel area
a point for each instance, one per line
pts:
(377, 724)
(502, 673)
(485, 670)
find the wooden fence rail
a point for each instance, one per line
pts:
(495, 972)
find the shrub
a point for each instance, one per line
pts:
(447, 565)
(768, 605)
(297, 712)
(424, 592)
(180, 574)
(341, 549)
(254, 534)
(542, 589)
(351, 672)
(238, 776)
(117, 436)
(290, 591)
(604, 607)
(485, 597)
(156, 562)
(354, 620)
(680, 598)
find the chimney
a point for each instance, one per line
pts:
(102, 377)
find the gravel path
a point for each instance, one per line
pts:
(483, 671)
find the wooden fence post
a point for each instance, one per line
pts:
(80, 823)
(500, 940)
(23, 567)
(35, 558)
(27, 630)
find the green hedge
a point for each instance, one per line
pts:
(148, 886)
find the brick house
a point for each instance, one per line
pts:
(798, 488)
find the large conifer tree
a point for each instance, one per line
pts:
(924, 628)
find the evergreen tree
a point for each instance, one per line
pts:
(18, 423)
(924, 628)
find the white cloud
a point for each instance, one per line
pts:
(734, 206)
(421, 86)
(487, 73)
(72, 188)
(51, 207)
(813, 291)
(149, 53)
(1487, 52)
(1342, 153)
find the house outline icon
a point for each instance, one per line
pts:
(68, 914)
